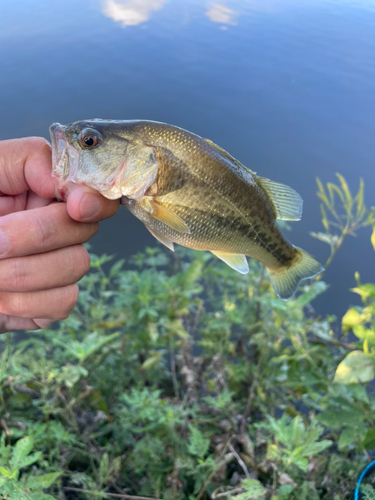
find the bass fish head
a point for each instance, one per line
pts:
(104, 155)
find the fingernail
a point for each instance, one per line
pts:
(4, 243)
(89, 206)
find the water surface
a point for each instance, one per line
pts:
(287, 87)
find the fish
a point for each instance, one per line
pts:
(186, 190)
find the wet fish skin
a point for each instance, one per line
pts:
(189, 191)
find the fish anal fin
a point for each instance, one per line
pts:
(228, 156)
(285, 280)
(286, 202)
(165, 241)
(167, 217)
(236, 261)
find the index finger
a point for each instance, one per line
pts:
(26, 164)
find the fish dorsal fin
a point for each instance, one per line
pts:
(236, 261)
(228, 156)
(162, 239)
(164, 215)
(286, 202)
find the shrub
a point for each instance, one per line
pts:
(177, 378)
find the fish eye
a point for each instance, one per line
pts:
(89, 138)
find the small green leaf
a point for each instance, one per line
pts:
(330, 239)
(363, 333)
(316, 448)
(194, 272)
(44, 481)
(373, 238)
(321, 193)
(369, 441)
(333, 188)
(347, 437)
(353, 317)
(317, 288)
(20, 451)
(153, 360)
(365, 291)
(198, 444)
(116, 268)
(5, 472)
(346, 190)
(360, 197)
(355, 368)
(324, 218)
(253, 490)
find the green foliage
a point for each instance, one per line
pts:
(12, 460)
(178, 379)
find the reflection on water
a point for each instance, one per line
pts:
(218, 13)
(131, 12)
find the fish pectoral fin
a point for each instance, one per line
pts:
(236, 261)
(162, 239)
(286, 202)
(228, 156)
(167, 217)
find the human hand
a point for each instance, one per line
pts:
(41, 252)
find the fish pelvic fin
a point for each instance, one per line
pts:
(165, 241)
(286, 202)
(285, 280)
(236, 261)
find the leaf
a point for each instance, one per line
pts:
(20, 451)
(116, 268)
(6, 472)
(373, 238)
(334, 419)
(324, 218)
(44, 481)
(347, 437)
(345, 188)
(198, 444)
(321, 193)
(316, 448)
(360, 197)
(330, 239)
(363, 333)
(355, 368)
(353, 317)
(103, 468)
(152, 360)
(317, 288)
(333, 188)
(193, 272)
(34, 457)
(253, 489)
(369, 441)
(365, 291)
(100, 343)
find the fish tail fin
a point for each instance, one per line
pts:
(285, 280)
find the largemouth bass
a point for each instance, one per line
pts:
(186, 190)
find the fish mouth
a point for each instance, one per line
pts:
(65, 161)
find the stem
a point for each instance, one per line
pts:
(173, 366)
(112, 495)
(251, 395)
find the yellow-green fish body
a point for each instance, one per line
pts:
(187, 190)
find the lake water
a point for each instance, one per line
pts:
(286, 86)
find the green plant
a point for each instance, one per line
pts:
(178, 379)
